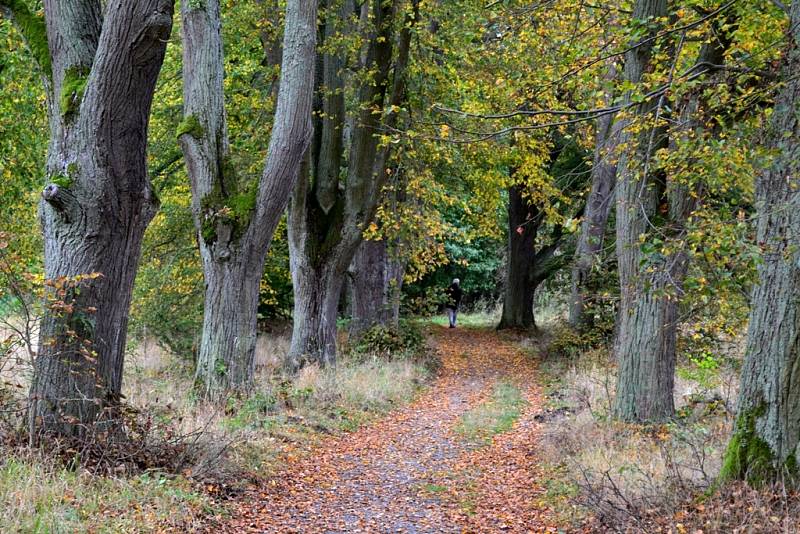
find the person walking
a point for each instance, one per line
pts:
(453, 301)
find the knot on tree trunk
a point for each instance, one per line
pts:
(62, 200)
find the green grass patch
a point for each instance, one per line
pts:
(495, 416)
(468, 320)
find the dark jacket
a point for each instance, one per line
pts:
(453, 296)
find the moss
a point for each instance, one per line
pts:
(194, 5)
(190, 125)
(232, 205)
(62, 180)
(748, 456)
(33, 30)
(72, 89)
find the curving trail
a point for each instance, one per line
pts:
(411, 472)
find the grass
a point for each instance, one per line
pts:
(619, 472)
(473, 319)
(37, 495)
(495, 416)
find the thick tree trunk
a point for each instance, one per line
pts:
(765, 444)
(644, 354)
(651, 297)
(98, 204)
(234, 219)
(227, 348)
(598, 208)
(523, 223)
(377, 281)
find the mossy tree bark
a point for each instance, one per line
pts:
(100, 64)
(235, 219)
(765, 440)
(327, 215)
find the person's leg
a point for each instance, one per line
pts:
(455, 316)
(451, 317)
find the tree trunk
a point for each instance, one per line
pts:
(644, 352)
(764, 444)
(523, 224)
(598, 208)
(377, 281)
(648, 319)
(235, 219)
(104, 66)
(227, 348)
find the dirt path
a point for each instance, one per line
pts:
(412, 472)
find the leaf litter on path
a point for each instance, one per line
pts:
(413, 471)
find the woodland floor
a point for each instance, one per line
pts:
(452, 461)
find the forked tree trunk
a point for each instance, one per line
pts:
(100, 75)
(765, 445)
(235, 219)
(523, 224)
(326, 220)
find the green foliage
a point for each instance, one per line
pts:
(566, 342)
(33, 30)
(72, 89)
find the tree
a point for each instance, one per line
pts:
(535, 255)
(598, 206)
(764, 444)
(646, 368)
(654, 207)
(234, 217)
(99, 65)
(327, 216)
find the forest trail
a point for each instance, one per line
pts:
(417, 470)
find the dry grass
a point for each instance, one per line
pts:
(243, 439)
(624, 473)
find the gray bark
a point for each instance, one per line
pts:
(377, 280)
(598, 209)
(94, 218)
(235, 220)
(764, 445)
(644, 353)
(652, 287)
(327, 218)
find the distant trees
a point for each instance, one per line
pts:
(99, 65)
(234, 216)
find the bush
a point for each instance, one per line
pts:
(404, 339)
